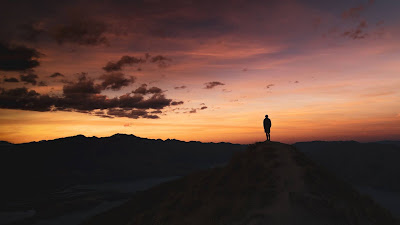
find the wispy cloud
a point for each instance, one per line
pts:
(56, 74)
(180, 87)
(269, 86)
(212, 84)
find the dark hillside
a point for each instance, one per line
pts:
(270, 183)
(31, 171)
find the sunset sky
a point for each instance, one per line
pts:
(200, 70)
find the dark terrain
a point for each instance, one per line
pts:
(64, 181)
(372, 168)
(270, 183)
(43, 175)
(362, 164)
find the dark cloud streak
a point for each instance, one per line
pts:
(29, 78)
(11, 80)
(133, 114)
(210, 85)
(56, 74)
(177, 103)
(180, 87)
(161, 61)
(18, 57)
(269, 86)
(144, 90)
(83, 88)
(124, 61)
(116, 80)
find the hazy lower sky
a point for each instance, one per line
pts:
(200, 70)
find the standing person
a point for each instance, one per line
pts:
(267, 127)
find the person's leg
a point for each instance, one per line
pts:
(266, 134)
(268, 137)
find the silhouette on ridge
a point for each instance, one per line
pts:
(267, 127)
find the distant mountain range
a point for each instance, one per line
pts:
(49, 165)
(270, 183)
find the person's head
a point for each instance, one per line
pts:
(266, 116)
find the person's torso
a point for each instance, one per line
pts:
(267, 123)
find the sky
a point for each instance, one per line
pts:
(200, 70)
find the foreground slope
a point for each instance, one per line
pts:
(270, 183)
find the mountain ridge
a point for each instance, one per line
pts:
(394, 142)
(78, 136)
(270, 183)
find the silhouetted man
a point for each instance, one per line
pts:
(267, 127)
